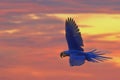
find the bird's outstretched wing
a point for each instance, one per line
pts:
(73, 35)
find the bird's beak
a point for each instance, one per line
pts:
(62, 55)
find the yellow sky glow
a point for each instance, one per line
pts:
(116, 60)
(99, 23)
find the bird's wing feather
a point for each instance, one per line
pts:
(73, 35)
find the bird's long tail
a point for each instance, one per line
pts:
(96, 56)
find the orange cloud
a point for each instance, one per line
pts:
(10, 31)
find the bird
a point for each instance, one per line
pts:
(76, 53)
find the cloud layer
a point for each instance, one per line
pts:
(59, 6)
(32, 36)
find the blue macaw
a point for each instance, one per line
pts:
(76, 53)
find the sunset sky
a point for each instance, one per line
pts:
(32, 37)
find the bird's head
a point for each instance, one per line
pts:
(63, 54)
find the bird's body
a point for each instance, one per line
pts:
(77, 57)
(75, 44)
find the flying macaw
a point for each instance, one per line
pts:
(76, 53)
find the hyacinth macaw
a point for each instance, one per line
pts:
(76, 53)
